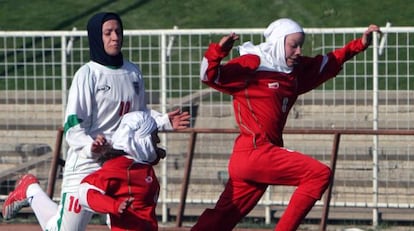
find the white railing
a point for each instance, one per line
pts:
(374, 91)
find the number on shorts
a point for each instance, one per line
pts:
(74, 205)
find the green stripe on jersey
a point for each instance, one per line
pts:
(72, 121)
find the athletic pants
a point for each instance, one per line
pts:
(67, 216)
(251, 170)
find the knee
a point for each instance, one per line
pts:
(320, 177)
(318, 181)
(325, 176)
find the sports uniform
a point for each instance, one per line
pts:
(102, 91)
(98, 97)
(114, 92)
(130, 175)
(264, 89)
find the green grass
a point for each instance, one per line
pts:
(161, 14)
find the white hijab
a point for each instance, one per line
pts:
(133, 136)
(272, 51)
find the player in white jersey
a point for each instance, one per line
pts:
(102, 91)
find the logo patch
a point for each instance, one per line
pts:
(149, 179)
(104, 88)
(274, 85)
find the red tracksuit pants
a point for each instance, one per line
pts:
(251, 170)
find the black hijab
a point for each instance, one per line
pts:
(96, 47)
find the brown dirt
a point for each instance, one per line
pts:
(36, 227)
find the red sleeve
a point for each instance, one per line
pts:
(317, 70)
(93, 188)
(348, 51)
(229, 77)
(102, 203)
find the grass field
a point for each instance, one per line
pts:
(160, 14)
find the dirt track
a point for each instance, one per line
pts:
(35, 227)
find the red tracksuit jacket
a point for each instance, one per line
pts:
(262, 100)
(120, 179)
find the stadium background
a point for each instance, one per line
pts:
(45, 15)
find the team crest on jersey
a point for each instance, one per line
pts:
(149, 179)
(103, 88)
(274, 85)
(136, 87)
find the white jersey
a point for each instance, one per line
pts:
(98, 97)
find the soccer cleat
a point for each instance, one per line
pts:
(17, 199)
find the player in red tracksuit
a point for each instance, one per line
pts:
(114, 193)
(264, 83)
(126, 186)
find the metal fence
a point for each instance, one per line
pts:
(373, 91)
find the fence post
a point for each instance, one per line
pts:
(186, 181)
(163, 102)
(334, 155)
(56, 160)
(375, 128)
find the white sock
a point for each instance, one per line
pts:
(33, 189)
(43, 207)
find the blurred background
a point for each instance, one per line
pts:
(163, 14)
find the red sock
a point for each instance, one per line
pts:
(298, 208)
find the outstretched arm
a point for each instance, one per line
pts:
(367, 35)
(227, 42)
(179, 120)
(231, 76)
(324, 67)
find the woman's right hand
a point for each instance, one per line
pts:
(227, 42)
(124, 205)
(99, 144)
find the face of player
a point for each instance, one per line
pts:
(293, 48)
(112, 37)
